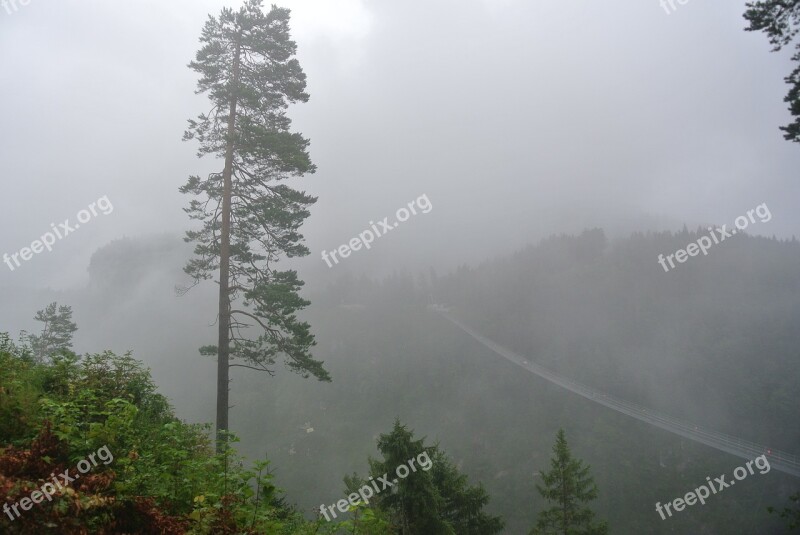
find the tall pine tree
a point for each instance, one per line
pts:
(250, 218)
(569, 487)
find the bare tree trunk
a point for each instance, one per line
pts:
(223, 345)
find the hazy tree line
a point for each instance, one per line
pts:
(720, 328)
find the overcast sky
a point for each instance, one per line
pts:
(517, 118)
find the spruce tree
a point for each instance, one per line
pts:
(413, 503)
(250, 217)
(56, 333)
(462, 503)
(435, 501)
(569, 487)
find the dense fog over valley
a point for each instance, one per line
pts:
(475, 267)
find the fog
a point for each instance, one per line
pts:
(516, 121)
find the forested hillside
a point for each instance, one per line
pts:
(728, 363)
(419, 267)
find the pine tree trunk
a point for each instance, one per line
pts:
(223, 345)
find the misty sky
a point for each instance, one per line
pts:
(517, 119)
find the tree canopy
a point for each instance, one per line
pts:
(568, 486)
(780, 20)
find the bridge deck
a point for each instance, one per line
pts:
(780, 460)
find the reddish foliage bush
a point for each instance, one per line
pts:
(84, 506)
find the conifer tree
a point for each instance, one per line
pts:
(463, 503)
(780, 20)
(435, 498)
(569, 487)
(250, 216)
(414, 503)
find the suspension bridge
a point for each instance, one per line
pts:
(779, 460)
